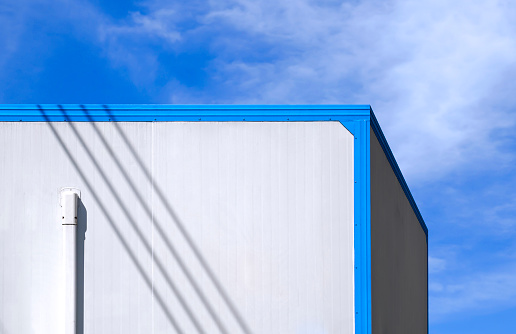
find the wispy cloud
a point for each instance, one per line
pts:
(157, 24)
(432, 70)
(476, 293)
(435, 264)
(439, 75)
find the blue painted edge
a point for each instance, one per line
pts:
(362, 229)
(356, 118)
(387, 150)
(160, 112)
(359, 127)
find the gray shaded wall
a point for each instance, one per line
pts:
(398, 254)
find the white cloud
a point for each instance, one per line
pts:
(431, 69)
(437, 73)
(157, 24)
(435, 287)
(130, 43)
(474, 293)
(436, 265)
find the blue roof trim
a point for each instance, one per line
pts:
(154, 107)
(387, 150)
(162, 112)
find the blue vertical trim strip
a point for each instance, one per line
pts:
(365, 199)
(360, 237)
(359, 231)
(367, 189)
(362, 221)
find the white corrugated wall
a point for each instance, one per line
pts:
(184, 226)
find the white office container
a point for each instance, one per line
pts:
(208, 219)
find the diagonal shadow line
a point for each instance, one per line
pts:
(158, 226)
(243, 325)
(134, 225)
(112, 224)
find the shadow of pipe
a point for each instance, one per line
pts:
(82, 226)
(112, 224)
(175, 218)
(126, 211)
(157, 225)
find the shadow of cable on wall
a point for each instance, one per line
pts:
(112, 224)
(174, 217)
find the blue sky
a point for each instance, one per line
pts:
(439, 75)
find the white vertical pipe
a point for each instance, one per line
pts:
(69, 222)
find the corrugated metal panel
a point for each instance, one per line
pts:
(198, 227)
(398, 253)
